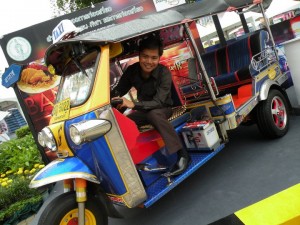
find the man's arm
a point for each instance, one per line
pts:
(123, 85)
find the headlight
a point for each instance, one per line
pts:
(89, 130)
(75, 135)
(46, 139)
(41, 139)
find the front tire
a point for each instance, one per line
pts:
(63, 211)
(272, 115)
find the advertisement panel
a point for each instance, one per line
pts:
(29, 44)
(34, 86)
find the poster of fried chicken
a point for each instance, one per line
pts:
(35, 79)
(38, 88)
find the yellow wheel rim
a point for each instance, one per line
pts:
(71, 218)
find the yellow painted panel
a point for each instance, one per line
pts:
(281, 208)
(100, 93)
(58, 130)
(271, 72)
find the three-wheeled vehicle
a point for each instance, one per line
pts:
(103, 157)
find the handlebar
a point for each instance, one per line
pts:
(116, 102)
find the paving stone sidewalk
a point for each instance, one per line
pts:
(27, 221)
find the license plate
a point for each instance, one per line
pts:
(61, 111)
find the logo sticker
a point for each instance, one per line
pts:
(166, 4)
(18, 48)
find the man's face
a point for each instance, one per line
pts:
(149, 59)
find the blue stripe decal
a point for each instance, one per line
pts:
(227, 108)
(59, 167)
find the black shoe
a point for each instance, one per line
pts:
(181, 165)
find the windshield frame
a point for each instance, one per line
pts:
(80, 69)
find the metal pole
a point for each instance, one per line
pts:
(81, 198)
(81, 215)
(243, 20)
(219, 30)
(210, 89)
(268, 28)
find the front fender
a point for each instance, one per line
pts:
(264, 90)
(63, 169)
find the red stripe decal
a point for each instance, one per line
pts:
(249, 47)
(227, 60)
(236, 76)
(216, 60)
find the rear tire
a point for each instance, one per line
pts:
(63, 211)
(272, 115)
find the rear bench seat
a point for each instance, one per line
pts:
(229, 65)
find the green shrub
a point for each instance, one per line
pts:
(19, 160)
(17, 191)
(19, 153)
(23, 131)
(15, 210)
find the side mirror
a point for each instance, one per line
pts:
(115, 49)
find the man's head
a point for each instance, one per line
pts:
(150, 50)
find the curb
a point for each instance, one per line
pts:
(281, 208)
(27, 221)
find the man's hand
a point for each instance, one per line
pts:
(126, 103)
(257, 1)
(231, 9)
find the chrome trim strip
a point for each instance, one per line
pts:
(65, 176)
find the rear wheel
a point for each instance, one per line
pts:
(272, 115)
(63, 211)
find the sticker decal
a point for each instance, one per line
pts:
(18, 48)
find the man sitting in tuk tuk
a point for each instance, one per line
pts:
(153, 83)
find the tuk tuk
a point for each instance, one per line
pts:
(103, 158)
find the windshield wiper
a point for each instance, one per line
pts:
(80, 67)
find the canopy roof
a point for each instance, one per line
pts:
(146, 24)
(159, 20)
(278, 7)
(3, 114)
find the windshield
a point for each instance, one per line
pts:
(78, 78)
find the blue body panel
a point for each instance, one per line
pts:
(97, 156)
(161, 187)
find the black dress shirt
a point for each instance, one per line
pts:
(152, 93)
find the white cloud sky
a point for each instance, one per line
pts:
(19, 14)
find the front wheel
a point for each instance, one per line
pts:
(63, 211)
(272, 115)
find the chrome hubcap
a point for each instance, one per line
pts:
(278, 112)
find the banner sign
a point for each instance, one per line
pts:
(24, 50)
(29, 44)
